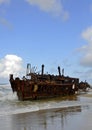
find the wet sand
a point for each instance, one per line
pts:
(71, 118)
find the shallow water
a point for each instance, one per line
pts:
(67, 113)
(9, 103)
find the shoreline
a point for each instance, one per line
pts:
(73, 117)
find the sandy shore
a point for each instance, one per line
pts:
(72, 118)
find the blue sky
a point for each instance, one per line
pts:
(50, 32)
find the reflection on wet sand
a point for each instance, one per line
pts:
(44, 120)
(67, 115)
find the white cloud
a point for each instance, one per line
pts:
(86, 50)
(90, 7)
(53, 6)
(5, 23)
(4, 1)
(87, 34)
(10, 64)
(85, 74)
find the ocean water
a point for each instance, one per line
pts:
(9, 103)
(61, 113)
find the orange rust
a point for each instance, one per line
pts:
(45, 85)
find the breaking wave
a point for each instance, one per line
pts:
(9, 103)
(6, 93)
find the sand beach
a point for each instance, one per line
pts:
(72, 117)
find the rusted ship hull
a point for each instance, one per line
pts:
(26, 90)
(44, 85)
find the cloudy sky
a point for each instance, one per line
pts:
(50, 32)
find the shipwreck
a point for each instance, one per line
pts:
(36, 86)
